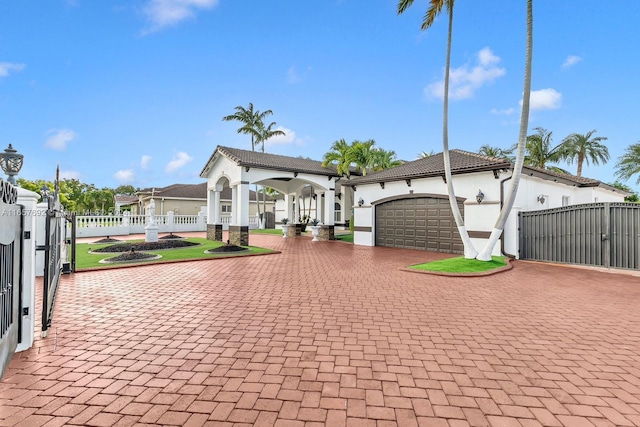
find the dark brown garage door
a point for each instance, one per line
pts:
(418, 223)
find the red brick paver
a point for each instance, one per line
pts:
(328, 333)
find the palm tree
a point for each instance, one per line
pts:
(252, 121)
(361, 155)
(264, 133)
(628, 164)
(584, 148)
(498, 228)
(434, 10)
(539, 152)
(339, 157)
(254, 126)
(497, 152)
(424, 154)
(383, 159)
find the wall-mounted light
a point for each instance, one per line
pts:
(479, 196)
(541, 199)
(360, 202)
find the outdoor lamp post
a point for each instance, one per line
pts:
(11, 163)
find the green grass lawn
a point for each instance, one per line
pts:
(344, 237)
(86, 260)
(461, 265)
(266, 231)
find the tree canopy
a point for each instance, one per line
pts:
(80, 197)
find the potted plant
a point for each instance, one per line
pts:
(285, 227)
(315, 229)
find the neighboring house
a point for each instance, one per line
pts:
(408, 207)
(124, 201)
(191, 199)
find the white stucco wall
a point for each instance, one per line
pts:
(478, 217)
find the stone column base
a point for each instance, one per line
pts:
(291, 232)
(326, 232)
(151, 233)
(239, 235)
(214, 232)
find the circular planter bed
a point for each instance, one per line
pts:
(132, 256)
(107, 240)
(146, 246)
(171, 236)
(227, 249)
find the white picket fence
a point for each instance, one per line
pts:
(121, 225)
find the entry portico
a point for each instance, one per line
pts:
(238, 169)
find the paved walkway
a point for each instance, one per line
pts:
(331, 334)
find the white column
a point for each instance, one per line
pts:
(216, 207)
(242, 204)
(296, 208)
(288, 211)
(329, 206)
(234, 205)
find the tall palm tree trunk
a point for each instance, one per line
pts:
(469, 250)
(580, 161)
(485, 254)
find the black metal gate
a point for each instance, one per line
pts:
(57, 259)
(598, 234)
(11, 238)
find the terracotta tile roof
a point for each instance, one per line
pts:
(461, 162)
(258, 159)
(467, 162)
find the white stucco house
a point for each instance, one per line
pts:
(408, 207)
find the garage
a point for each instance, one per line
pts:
(425, 223)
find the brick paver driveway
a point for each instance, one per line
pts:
(328, 333)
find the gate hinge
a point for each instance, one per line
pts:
(25, 311)
(26, 235)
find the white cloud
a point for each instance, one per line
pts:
(571, 61)
(124, 176)
(545, 99)
(179, 160)
(289, 137)
(464, 80)
(70, 174)
(165, 13)
(144, 161)
(294, 76)
(59, 138)
(505, 112)
(7, 67)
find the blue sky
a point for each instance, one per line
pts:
(133, 92)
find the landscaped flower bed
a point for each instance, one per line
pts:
(146, 246)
